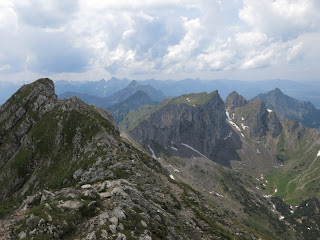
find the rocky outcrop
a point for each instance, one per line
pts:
(24, 109)
(255, 120)
(184, 129)
(289, 108)
(235, 100)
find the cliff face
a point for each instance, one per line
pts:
(252, 117)
(21, 112)
(178, 126)
(235, 100)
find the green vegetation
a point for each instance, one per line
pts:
(20, 161)
(134, 117)
(193, 98)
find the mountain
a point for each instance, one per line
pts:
(100, 88)
(289, 108)
(133, 118)
(119, 96)
(274, 162)
(133, 87)
(304, 91)
(89, 99)
(171, 127)
(138, 99)
(67, 173)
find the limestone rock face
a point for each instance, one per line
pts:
(21, 112)
(235, 100)
(255, 120)
(184, 126)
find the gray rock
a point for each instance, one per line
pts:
(91, 236)
(143, 223)
(235, 100)
(105, 194)
(113, 228)
(77, 173)
(71, 205)
(22, 235)
(119, 193)
(29, 200)
(118, 213)
(114, 221)
(47, 195)
(121, 237)
(31, 218)
(86, 186)
(104, 234)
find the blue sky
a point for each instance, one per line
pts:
(161, 39)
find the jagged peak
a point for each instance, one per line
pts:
(277, 90)
(235, 100)
(133, 83)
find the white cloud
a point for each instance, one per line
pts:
(156, 38)
(284, 18)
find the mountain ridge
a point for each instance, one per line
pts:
(289, 108)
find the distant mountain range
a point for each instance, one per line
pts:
(303, 91)
(289, 108)
(136, 100)
(117, 97)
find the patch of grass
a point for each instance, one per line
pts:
(193, 98)
(20, 161)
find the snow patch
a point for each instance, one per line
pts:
(258, 151)
(281, 217)
(269, 110)
(230, 134)
(242, 118)
(257, 188)
(172, 177)
(176, 149)
(267, 196)
(318, 155)
(276, 190)
(217, 194)
(244, 126)
(193, 149)
(152, 152)
(242, 135)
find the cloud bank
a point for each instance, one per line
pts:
(88, 40)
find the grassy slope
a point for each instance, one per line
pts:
(299, 178)
(193, 98)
